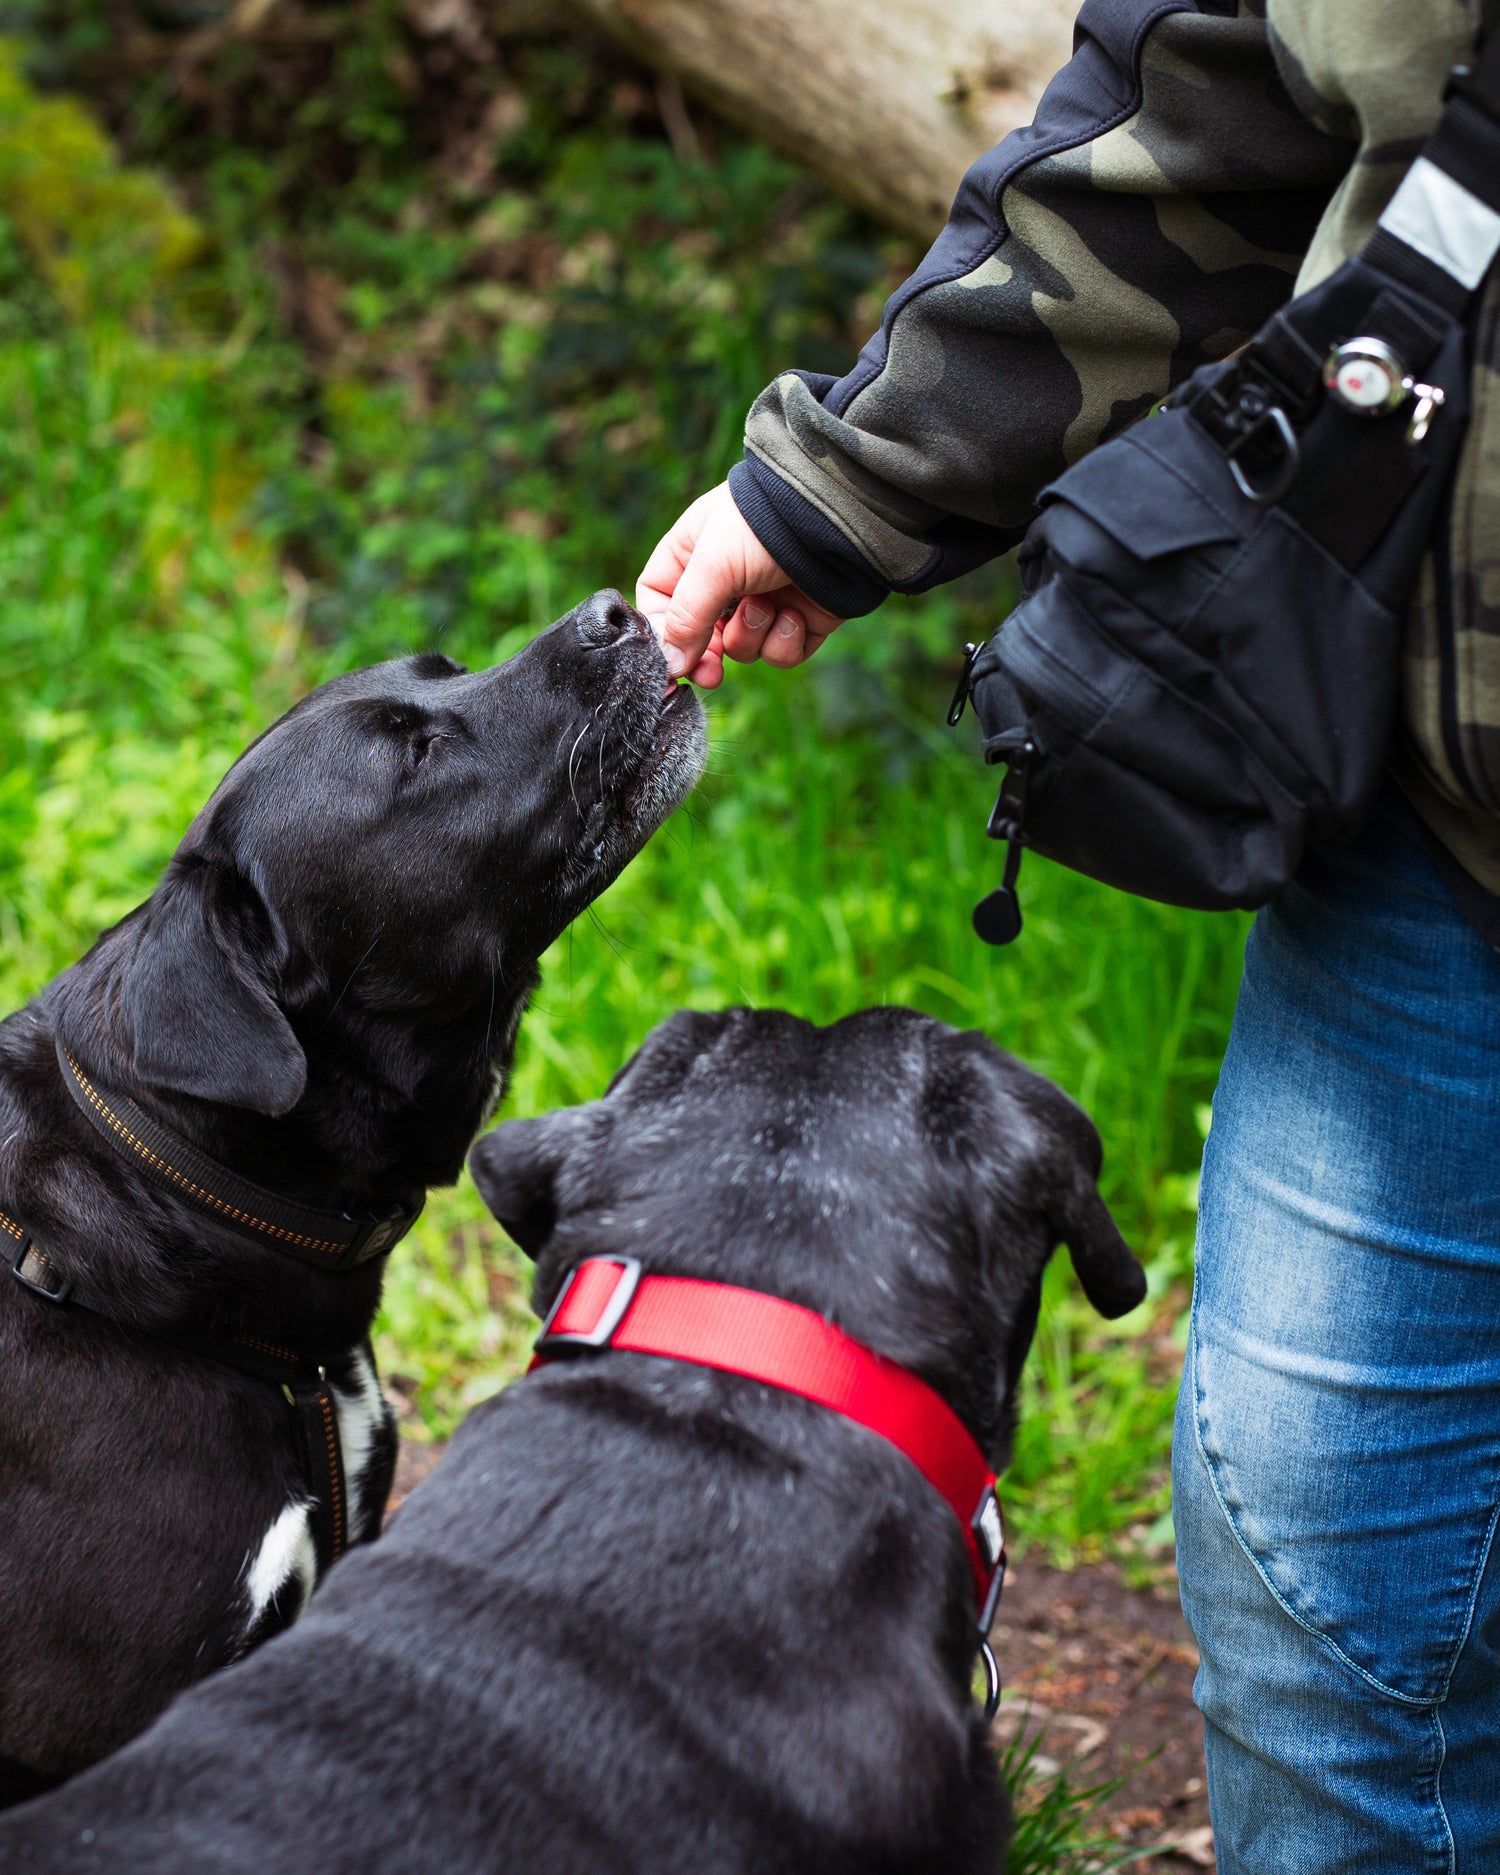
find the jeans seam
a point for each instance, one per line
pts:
(1325, 1640)
(1437, 1789)
(1479, 1574)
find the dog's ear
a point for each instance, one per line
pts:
(1112, 1278)
(187, 1003)
(1028, 1136)
(516, 1168)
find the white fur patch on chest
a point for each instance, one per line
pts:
(286, 1556)
(285, 1567)
(361, 1411)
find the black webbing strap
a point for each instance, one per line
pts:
(302, 1381)
(328, 1239)
(1351, 515)
(1465, 147)
(323, 1468)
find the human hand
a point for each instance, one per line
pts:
(712, 591)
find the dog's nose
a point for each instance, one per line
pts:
(609, 616)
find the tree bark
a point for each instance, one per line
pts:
(888, 100)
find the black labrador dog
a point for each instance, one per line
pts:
(214, 1124)
(649, 1618)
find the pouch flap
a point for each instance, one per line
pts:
(1149, 508)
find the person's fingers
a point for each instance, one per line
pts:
(711, 591)
(814, 642)
(710, 585)
(746, 631)
(782, 646)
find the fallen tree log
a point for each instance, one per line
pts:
(888, 100)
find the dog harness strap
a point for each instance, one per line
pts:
(254, 1355)
(323, 1468)
(608, 1303)
(302, 1380)
(328, 1239)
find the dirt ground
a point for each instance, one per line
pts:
(1106, 1672)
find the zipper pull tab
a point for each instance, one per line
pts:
(961, 693)
(997, 918)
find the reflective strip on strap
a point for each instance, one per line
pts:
(1444, 223)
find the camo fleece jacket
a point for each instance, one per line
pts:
(1193, 164)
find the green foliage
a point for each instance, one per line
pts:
(108, 242)
(1054, 1831)
(430, 368)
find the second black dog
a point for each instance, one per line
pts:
(215, 1123)
(650, 1617)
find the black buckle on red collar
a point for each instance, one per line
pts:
(610, 1317)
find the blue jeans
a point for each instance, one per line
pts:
(1337, 1454)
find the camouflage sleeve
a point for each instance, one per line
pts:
(1153, 216)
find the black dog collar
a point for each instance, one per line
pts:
(330, 1240)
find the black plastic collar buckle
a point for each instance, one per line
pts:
(29, 1254)
(380, 1235)
(610, 1316)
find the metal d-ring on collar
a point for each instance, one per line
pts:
(330, 1240)
(991, 1679)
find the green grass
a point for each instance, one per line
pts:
(198, 518)
(1054, 1830)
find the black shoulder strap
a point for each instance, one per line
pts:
(1440, 231)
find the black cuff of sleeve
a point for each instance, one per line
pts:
(804, 543)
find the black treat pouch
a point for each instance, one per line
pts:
(1201, 678)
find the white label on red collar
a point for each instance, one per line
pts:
(991, 1531)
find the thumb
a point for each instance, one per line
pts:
(711, 586)
(697, 575)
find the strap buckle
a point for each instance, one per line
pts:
(380, 1235)
(610, 1316)
(28, 1253)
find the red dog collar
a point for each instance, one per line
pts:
(607, 1302)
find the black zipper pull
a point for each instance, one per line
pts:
(997, 918)
(961, 693)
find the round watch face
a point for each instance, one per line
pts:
(1366, 377)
